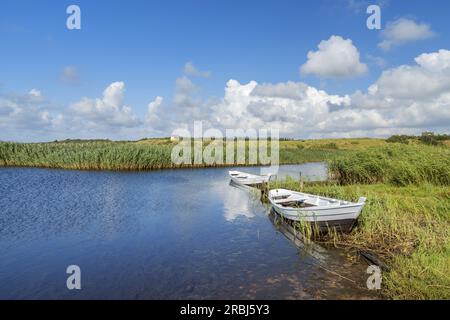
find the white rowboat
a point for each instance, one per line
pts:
(322, 211)
(247, 178)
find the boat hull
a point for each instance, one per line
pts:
(342, 225)
(322, 212)
(320, 215)
(247, 179)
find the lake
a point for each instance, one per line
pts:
(171, 234)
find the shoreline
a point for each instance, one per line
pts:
(162, 168)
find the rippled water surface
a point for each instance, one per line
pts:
(156, 235)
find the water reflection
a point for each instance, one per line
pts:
(149, 235)
(308, 247)
(239, 204)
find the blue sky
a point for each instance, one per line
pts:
(146, 44)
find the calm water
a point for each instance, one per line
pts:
(155, 235)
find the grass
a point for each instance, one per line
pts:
(406, 219)
(395, 164)
(150, 154)
(86, 155)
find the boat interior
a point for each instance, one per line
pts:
(304, 201)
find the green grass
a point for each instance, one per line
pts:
(86, 155)
(407, 227)
(406, 219)
(395, 164)
(149, 154)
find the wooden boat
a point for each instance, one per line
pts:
(247, 178)
(321, 211)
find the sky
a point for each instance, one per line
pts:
(310, 69)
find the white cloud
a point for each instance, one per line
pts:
(152, 118)
(7, 107)
(405, 99)
(255, 106)
(429, 78)
(154, 105)
(35, 93)
(403, 31)
(28, 113)
(336, 58)
(435, 61)
(191, 70)
(108, 111)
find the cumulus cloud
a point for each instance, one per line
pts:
(21, 112)
(408, 96)
(403, 31)
(435, 61)
(336, 58)
(406, 99)
(191, 70)
(108, 111)
(429, 78)
(289, 107)
(152, 118)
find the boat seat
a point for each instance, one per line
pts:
(291, 199)
(317, 202)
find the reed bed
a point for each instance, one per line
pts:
(395, 164)
(406, 219)
(140, 155)
(86, 155)
(406, 227)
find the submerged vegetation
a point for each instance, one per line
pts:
(406, 219)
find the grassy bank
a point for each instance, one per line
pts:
(149, 154)
(395, 164)
(406, 220)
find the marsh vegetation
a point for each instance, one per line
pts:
(406, 220)
(150, 154)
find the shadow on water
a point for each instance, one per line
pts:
(173, 234)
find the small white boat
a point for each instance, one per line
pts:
(322, 211)
(247, 178)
